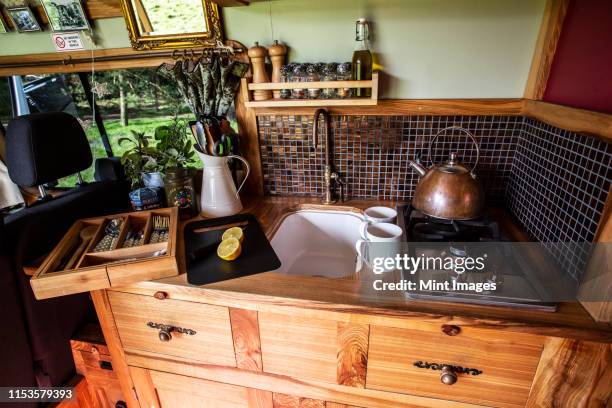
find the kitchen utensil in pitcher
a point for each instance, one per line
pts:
(226, 145)
(219, 195)
(197, 130)
(449, 190)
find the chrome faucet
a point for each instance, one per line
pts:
(330, 174)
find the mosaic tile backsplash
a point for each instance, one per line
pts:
(371, 153)
(554, 181)
(557, 188)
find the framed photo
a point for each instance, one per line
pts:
(2, 26)
(65, 15)
(23, 19)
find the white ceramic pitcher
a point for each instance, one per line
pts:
(219, 196)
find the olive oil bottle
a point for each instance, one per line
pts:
(362, 57)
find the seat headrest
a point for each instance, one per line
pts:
(44, 147)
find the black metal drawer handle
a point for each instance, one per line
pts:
(165, 330)
(449, 371)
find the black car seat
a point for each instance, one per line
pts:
(42, 148)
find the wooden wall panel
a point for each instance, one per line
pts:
(293, 401)
(249, 144)
(175, 391)
(546, 45)
(94, 9)
(259, 398)
(573, 374)
(399, 107)
(298, 347)
(245, 332)
(98, 9)
(597, 282)
(111, 336)
(352, 354)
(337, 405)
(144, 388)
(576, 120)
(80, 61)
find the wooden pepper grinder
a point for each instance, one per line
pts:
(257, 54)
(277, 54)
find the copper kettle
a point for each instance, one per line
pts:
(449, 190)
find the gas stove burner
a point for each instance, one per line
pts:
(420, 227)
(514, 283)
(458, 250)
(426, 231)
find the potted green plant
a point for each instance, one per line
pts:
(140, 158)
(176, 155)
(174, 145)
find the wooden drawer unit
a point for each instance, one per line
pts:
(92, 360)
(298, 347)
(508, 362)
(173, 327)
(163, 390)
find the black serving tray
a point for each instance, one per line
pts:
(203, 264)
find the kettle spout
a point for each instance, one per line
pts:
(418, 167)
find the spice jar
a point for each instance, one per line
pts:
(312, 75)
(180, 191)
(298, 75)
(343, 73)
(328, 74)
(285, 76)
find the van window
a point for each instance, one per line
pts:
(127, 100)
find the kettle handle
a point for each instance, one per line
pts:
(248, 170)
(467, 132)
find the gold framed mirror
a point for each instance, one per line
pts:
(162, 24)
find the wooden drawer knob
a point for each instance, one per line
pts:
(165, 331)
(451, 329)
(160, 295)
(448, 375)
(164, 334)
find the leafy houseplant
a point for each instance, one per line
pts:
(140, 158)
(176, 154)
(174, 145)
(170, 156)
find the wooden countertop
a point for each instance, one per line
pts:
(353, 299)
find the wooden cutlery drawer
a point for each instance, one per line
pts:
(110, 251)
(178, 328)
(490, 368)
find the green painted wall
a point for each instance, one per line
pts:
(428, 48)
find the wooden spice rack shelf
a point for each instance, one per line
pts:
(249, 102)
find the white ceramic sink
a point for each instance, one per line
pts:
(317, 243)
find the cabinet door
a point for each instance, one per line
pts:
(157, 389)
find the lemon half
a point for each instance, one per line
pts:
(229, 249)
(234, 232)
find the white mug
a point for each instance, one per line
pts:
(380, 214)
(379, 233)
